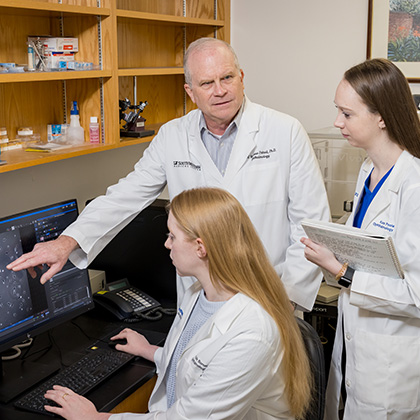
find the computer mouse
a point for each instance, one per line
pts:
(113, 343)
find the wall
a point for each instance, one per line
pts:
(294, 53)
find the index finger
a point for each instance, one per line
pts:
(121, 334)
(27, 260)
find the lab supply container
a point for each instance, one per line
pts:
(75, 132)
(340, 164)
(94, 136)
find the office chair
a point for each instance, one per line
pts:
(316, 358)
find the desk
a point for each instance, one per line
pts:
(70, 341)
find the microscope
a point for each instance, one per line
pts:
(133, 121)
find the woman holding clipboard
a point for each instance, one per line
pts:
(375, 366)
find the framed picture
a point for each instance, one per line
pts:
(394, 33)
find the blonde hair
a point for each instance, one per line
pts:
(238, 262)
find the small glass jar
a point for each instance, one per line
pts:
(26, 134)
(3, 135)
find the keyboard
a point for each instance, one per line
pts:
(81, 377)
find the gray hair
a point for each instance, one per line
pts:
(205, 43)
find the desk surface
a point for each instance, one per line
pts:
(65, 344)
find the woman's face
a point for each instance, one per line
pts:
(184, 251)
(357, 124)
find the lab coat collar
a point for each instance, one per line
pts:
(390, 187)
(245, 140)
(243, 146)
(218, 325)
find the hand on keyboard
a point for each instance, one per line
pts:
(70, 403)
(80, 377)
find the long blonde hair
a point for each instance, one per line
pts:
(238, 262)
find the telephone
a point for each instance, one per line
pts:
(124, 300)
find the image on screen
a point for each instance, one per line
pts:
(28, 307)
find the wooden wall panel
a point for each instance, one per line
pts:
(164, 7)
(164, 95)
(30, 104)
(13, 44)
(87, 94)
(85, 28)
(141, 45)
(203, 9)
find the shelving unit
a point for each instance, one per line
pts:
(139, 46)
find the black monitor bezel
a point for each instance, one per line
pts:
(34, 330)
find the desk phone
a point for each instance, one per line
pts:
(124, 300)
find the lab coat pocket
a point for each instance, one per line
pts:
(387, 370)
(264, 183)
(192, 369)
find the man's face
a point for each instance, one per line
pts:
(217, 86)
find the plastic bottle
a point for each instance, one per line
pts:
(75, 132)
(94, 130)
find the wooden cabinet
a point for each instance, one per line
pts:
(138, 46)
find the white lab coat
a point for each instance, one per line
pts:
(272, 171)
(382, 314)
(229, 370)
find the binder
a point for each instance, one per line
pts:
(361, 249)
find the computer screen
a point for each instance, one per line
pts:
(27, 307)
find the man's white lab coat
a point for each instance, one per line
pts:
(272, 171)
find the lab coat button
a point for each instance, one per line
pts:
(348, 383)
(348, 336)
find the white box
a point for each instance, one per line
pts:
(54, 59)
(97, 280)
(340, 164)
(62, 44)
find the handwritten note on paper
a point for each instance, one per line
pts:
(360, 249)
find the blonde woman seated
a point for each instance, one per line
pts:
(234, 350)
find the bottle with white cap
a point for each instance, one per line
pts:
(94, 130)
(75, 132)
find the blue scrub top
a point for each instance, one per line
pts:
(367, 197)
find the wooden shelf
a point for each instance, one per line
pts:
(18, 159)
(168, 19)
(52, 75)
(148, 41)
(30, 7)
(151, 71)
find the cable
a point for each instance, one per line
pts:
(17, 349)
(25, 343)
(15, 355)
(168, 311)
(153, 315)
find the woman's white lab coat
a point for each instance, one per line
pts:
(229, 369)
(272, 171)
(381, 314)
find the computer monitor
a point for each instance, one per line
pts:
(27, 307)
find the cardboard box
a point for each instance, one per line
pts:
(61, 44)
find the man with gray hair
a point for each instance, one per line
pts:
(263, 157)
